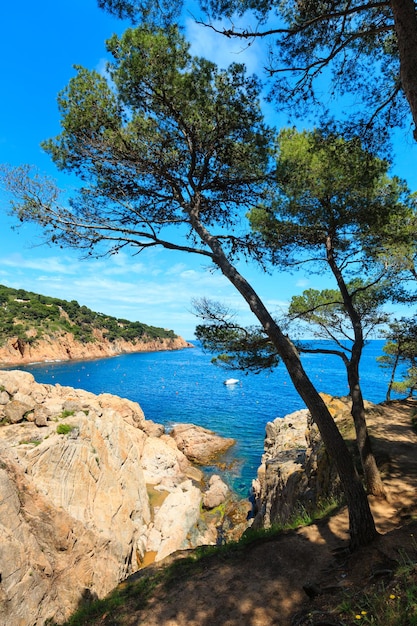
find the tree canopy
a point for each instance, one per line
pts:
(170, 133)
(327, 318)
(157, 12)
(401, 349)
(173, 152)
(366, 50)
(333, 196)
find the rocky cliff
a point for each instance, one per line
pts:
(65, 347)
(90, 491)
(296, 475)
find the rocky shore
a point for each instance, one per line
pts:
(296, 475)
(66, 348)
(91, 491)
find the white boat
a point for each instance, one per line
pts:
(231, 381)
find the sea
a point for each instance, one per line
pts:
(183, 386)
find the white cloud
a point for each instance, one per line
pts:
(101, 68)
(302, 282)
(177, 268)
(50, 264)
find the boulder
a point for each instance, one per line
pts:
(200, 445)
(216, 493)
(41, 416)
(153, 430)
(175, 520)
(15, 411)
(130, 411)
(161, 462)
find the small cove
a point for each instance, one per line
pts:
(183, 386)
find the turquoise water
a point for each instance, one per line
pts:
(183, 386)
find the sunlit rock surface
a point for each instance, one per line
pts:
(90, 491)
(296, 475)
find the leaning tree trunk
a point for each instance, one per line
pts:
(405, 21)
(361, 523)
(373, 479)
(370, 469)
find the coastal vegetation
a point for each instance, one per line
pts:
(401, 348)
(31, 316)
(170, 154)
(174, 152)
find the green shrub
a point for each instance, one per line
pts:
(63, 429)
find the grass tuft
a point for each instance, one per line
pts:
(64, 429)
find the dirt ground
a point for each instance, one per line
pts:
(290, 580)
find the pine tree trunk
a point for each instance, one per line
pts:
(392, 377)
(370, 469)
(405, 21)
(361, 523)
(372, 476)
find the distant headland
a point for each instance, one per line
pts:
(37, 328)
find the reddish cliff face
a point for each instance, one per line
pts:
(65, 348)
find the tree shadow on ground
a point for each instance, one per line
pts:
(289, 578)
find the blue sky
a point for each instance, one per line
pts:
(40, 43)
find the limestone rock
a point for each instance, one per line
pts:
(4, 397)
(76, 512)
(175, 520)
(296, 473)
(216, 493)
(16, 382)
(152, 429)
(161, 462)
(128, 410)
(15, 411)
(40, 416)
(200, 445)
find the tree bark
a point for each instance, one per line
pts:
(370, 469)
(361, 523)
(372, 476)
(405, 21)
